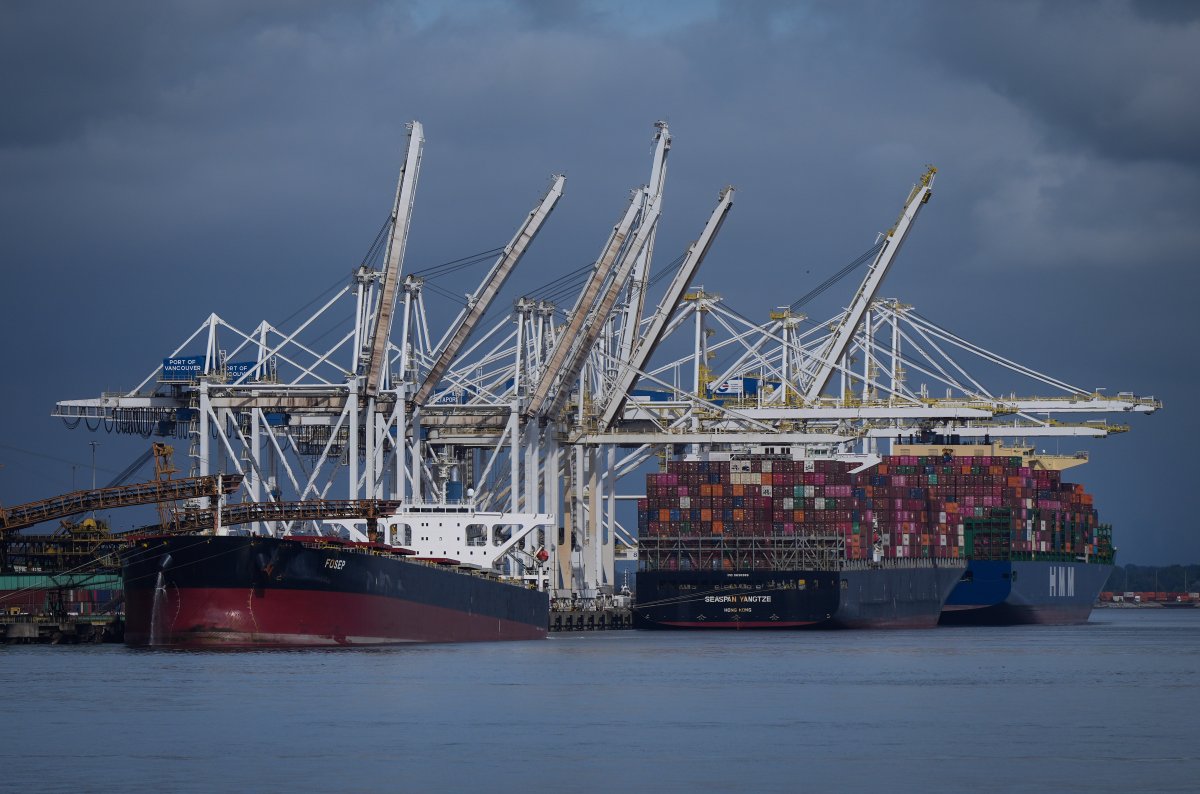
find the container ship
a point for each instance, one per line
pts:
(1036, 550)
(250, 591)
(769, 542)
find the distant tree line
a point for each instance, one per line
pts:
(1142, 579)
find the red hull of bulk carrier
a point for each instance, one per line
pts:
(254, 592)
(281, 618)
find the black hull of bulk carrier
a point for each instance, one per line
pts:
(1025, 592)
(254, 592)
(889, 596)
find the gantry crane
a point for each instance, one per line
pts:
(533, 420)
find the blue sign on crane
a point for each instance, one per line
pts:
(183, 368)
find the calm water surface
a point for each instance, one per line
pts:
(1110, 706)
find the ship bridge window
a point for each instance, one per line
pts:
(476, 534)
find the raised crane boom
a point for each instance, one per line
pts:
(583, 307)
(593, 329)
(478, 304)
(631, 369)
(631, 324)
(381, 328)
(833, 350)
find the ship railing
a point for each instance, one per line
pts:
(905, 562)
(742, 552)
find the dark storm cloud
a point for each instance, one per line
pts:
(1116, 78)
(65, 65)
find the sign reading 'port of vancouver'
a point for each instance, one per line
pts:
(183, 368)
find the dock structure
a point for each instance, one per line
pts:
(45, 629)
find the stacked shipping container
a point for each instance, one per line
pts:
(906, 507)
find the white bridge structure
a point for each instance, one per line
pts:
(508, 436)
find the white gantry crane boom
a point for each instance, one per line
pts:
(593, 329)
(838, 342)
(637, 279)
(381, 327)
(632, 366)
(479, 303)
(583, 308)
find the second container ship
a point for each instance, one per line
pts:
(765, 541)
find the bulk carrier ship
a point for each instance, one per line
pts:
(249, 591)
(768, 542)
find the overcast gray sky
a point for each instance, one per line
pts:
(164, 160)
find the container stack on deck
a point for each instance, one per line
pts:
(991, 506)
(764, 497)
(908, 506)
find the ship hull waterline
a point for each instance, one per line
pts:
(1025, 592)
(861, 598)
